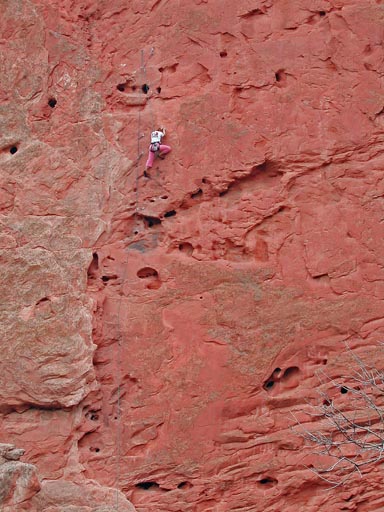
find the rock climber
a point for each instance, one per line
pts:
(156, 148)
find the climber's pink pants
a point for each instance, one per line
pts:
(151, 156)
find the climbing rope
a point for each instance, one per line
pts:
(118, 413)
(119, 333)
(146, 84)
(137, 166)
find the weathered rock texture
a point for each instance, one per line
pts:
(18, 481)
(156, 333)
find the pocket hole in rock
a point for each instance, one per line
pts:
(186, 248)
(290, 372)
(120, 87)
(146, 272)
(44, 299)
(268, 385)
(171, 213)
(266, 167)
(197, 194)
(254, 12)
(147, 485)
(52, 102)
(267, 482)
(94, 266)
(158, 90)
(151, 221)
(13, 150)
(93, 449)
(105, 279)
(322, 13)
(94, 417)
(343, 390)
(145, 88)
(223, 53)
(281, 77)
(151, 276)
(184, 485)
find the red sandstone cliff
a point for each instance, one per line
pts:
(157, 333)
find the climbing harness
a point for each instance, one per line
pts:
(154, 147)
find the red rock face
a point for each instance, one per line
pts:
(18, 481)
(157, 333)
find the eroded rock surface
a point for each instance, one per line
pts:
(66, 496)
(157, 333)
(18, 481)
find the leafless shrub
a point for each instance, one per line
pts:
(351, 435)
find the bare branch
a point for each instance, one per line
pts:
(352, 433)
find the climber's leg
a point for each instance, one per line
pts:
(164, 150)
(151, 158)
